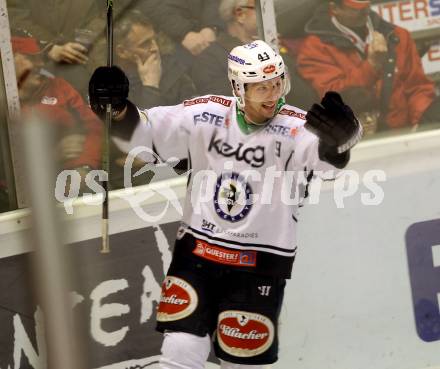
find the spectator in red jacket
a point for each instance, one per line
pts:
(79, 130)
(66, 31)
(350, 46)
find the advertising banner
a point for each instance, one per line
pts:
(416, 15)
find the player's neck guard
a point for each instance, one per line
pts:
(247, 126)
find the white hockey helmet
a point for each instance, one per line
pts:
(252, 63)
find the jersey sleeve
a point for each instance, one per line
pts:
(160, 132)
(306, 156)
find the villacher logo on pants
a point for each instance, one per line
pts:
(244, 334)
(177, 301)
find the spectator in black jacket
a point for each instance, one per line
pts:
(192, 24)
(209, 69)
(156, 75)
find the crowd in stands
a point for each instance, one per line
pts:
(352, 50)
(172, 50)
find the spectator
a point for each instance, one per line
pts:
(79, 129)
(209, 71)
(348, 45)
(192, 24)
(156, 77)
(66, 31)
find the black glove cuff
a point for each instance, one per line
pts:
(330, 155)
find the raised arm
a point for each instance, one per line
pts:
(160, 129)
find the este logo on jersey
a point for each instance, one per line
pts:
(244, 334)
(210, 118)
(177, 300)
(280, 130)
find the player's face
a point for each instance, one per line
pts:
(350, 17)
(261, 99)
(141, 41)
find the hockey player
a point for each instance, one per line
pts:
(234, 252)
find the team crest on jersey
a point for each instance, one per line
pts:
(177, 300)
(244, 334)
(232, 199)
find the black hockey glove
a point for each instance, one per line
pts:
(108, 85)
(334, 123)
(336, 126)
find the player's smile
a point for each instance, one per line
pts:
(269, 107)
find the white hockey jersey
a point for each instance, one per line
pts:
(242, 197)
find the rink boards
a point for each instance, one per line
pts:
(365, 289)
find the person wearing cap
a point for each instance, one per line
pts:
(78, 129)
(65, 29)
(350, 46)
